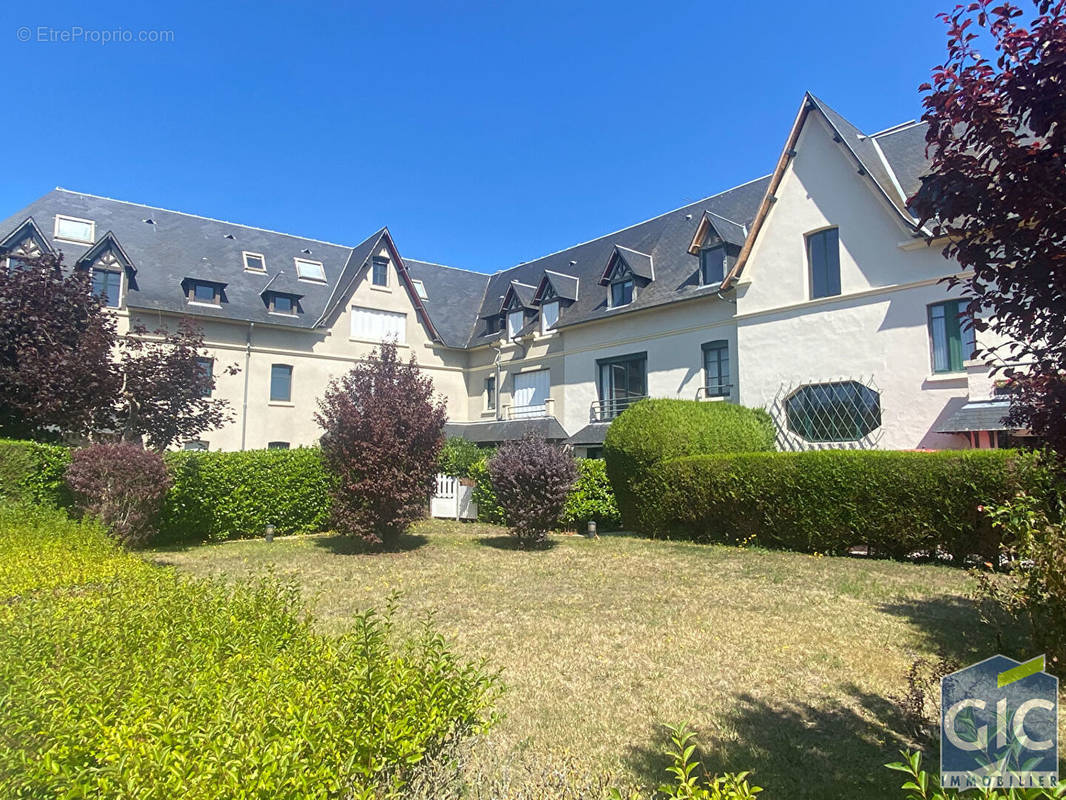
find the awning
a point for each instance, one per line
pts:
(498, 430)
(590, 436)
(982, 415)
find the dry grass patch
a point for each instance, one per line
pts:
(781, 661)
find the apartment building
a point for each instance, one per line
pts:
(810, 291)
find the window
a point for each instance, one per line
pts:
(283, 303)
(420, 290)
(380, 271)
(712, 264)
(309, 270)
(594, 452)
(622, 381)
(516, 320)
(716, 369)
(951, 335)
(72, 229)
(492, 324)
(255, 262)
(841, 411)
(549, 315)
(277, 445)
(372, 325)
(203, 292)
(621, 292)
(490, 393)
(823, 255)
(107, 285)
(207, 366)
(16, 264)
(280, 383)
(195, 444)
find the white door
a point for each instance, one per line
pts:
(531, 391)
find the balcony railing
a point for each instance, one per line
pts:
(606, 410)
(720, 392)
(545, 409)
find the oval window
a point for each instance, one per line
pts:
(839, 411)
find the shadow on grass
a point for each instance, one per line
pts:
(953, 628)
(512, 543)
(342, 545)
(797, 750)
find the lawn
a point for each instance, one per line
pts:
(782, 662)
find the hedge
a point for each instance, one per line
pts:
(591, 499)
(898, 503)
(233, 495)
(34, 472)
(652, 431)
(122, 679)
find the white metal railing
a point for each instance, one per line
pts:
(545, 409)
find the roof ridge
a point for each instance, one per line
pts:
(448, 266)
(211, 219)
(635, 224)
(903, 126)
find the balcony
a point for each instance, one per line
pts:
(606, 410)
(545, 409)
(722, 391)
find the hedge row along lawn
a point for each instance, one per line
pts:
(119, 678)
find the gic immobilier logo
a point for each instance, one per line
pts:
(999, 725)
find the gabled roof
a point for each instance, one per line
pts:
(640, 264)
(28, 228)
(564, 286)
(866, 155)
(107, 242)
(522, 292)
(728, 231)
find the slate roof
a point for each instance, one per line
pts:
(981, 415)
(591, 434)
(175, 246)
(506, 430)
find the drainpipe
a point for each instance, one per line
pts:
(244, 407)
(496, 361)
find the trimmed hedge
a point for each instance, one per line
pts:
(122, 679)
(488, 507)
(827, 501)
(34, 473)
(653, 431)
(234, 495)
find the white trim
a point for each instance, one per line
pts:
(203, 305)
(260, 256)
(67, 218)
(891, 173)
(420, 289)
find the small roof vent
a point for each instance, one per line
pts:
(149, 221)
(230, 236)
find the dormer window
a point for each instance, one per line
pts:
(549, 316)
(203, 292)
(282, 303)
(254, 262)
(107, 285)
(73, 229)
(516, 320)
(712, 264)
(621, 291)
(307, 270)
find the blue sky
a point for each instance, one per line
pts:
(482, 134)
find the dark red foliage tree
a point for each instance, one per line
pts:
(997, 139)
(532, 478)
(122, 485)
(165, 392)
(56, 372)
(383, 430)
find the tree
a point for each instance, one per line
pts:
(56, 374)
(383, 430)
(532, 479)
(165, 393)
(997, 191)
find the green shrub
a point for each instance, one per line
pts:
(34, 472)
(457, 456)
(591, 498)
(828, 501)
(136, 682)
(488, 507)
(652, 431)
(218, 496)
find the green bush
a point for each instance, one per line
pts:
(488, 507)
(652, 431)
(34, 472)
(591, 498)
(218, 496)
(828, 501)
(457, 456)
(135, 682)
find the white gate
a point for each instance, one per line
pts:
(452, 499)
